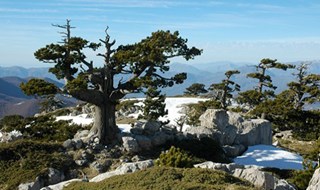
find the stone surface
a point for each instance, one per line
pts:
(60, 185)
(229, 168)
(54, 176)
(123, 169)
(130, 144)
(257, 178)
(201, 132)
(101, 165)
(68, 144)
(144, 142)
(235, 119)
(234, 150)
(151, 127)
(256, 131)
(10, 136)
(260, 179)
(215, 118)
(229, 135)
(314, 183)
(36, 185)
(160, 138)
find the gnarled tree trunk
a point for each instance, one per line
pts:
(105, 127)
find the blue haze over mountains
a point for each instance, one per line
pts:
(207, 73)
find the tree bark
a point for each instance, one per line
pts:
(105, 127)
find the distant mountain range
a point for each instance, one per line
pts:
(13, 101)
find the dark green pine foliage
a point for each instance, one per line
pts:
(43, 90)
(137, 63)
(223, 91)
(307, 87)
(195, 89)
(154, 104)
(265, 88)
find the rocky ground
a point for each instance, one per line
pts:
(143, 141)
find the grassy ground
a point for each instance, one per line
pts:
(301, 147)
(168, 178)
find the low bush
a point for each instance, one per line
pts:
(7, 123)
(168, 178)
(22, 161)
(301, 178)
(175, 157)
(40, 128)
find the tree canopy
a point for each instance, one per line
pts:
(195, 89)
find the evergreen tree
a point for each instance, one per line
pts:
(254, 97)
(307, 87)
(223, 91)
(195, 89)
(43, 90)
(154, 104)
(137, 63)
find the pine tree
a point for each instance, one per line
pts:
(254, 97)
(307, 87)
(136, 63)
(223, 91)
(43, 90)
(154, 104)
(195, 89)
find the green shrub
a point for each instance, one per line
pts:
(164, 178)
(7, 123)
(301, 178)
(41, 128)
(22, 161)
(175, 157)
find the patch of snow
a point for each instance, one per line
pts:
(81, 119)
(174, 107)
(124, 127)
(270, 156)
(27, 126)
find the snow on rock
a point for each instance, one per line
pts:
(270, 156)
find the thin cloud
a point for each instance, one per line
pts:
(10, 10)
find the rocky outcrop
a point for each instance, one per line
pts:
(123, 169)
(36, 185)
(53, 176)
(253, 132)
(61, 185)
(314, 183)
(147, 134)
(130, 144)
(232, 131)
(259, 179)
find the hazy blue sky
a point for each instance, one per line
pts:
(227, 30)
